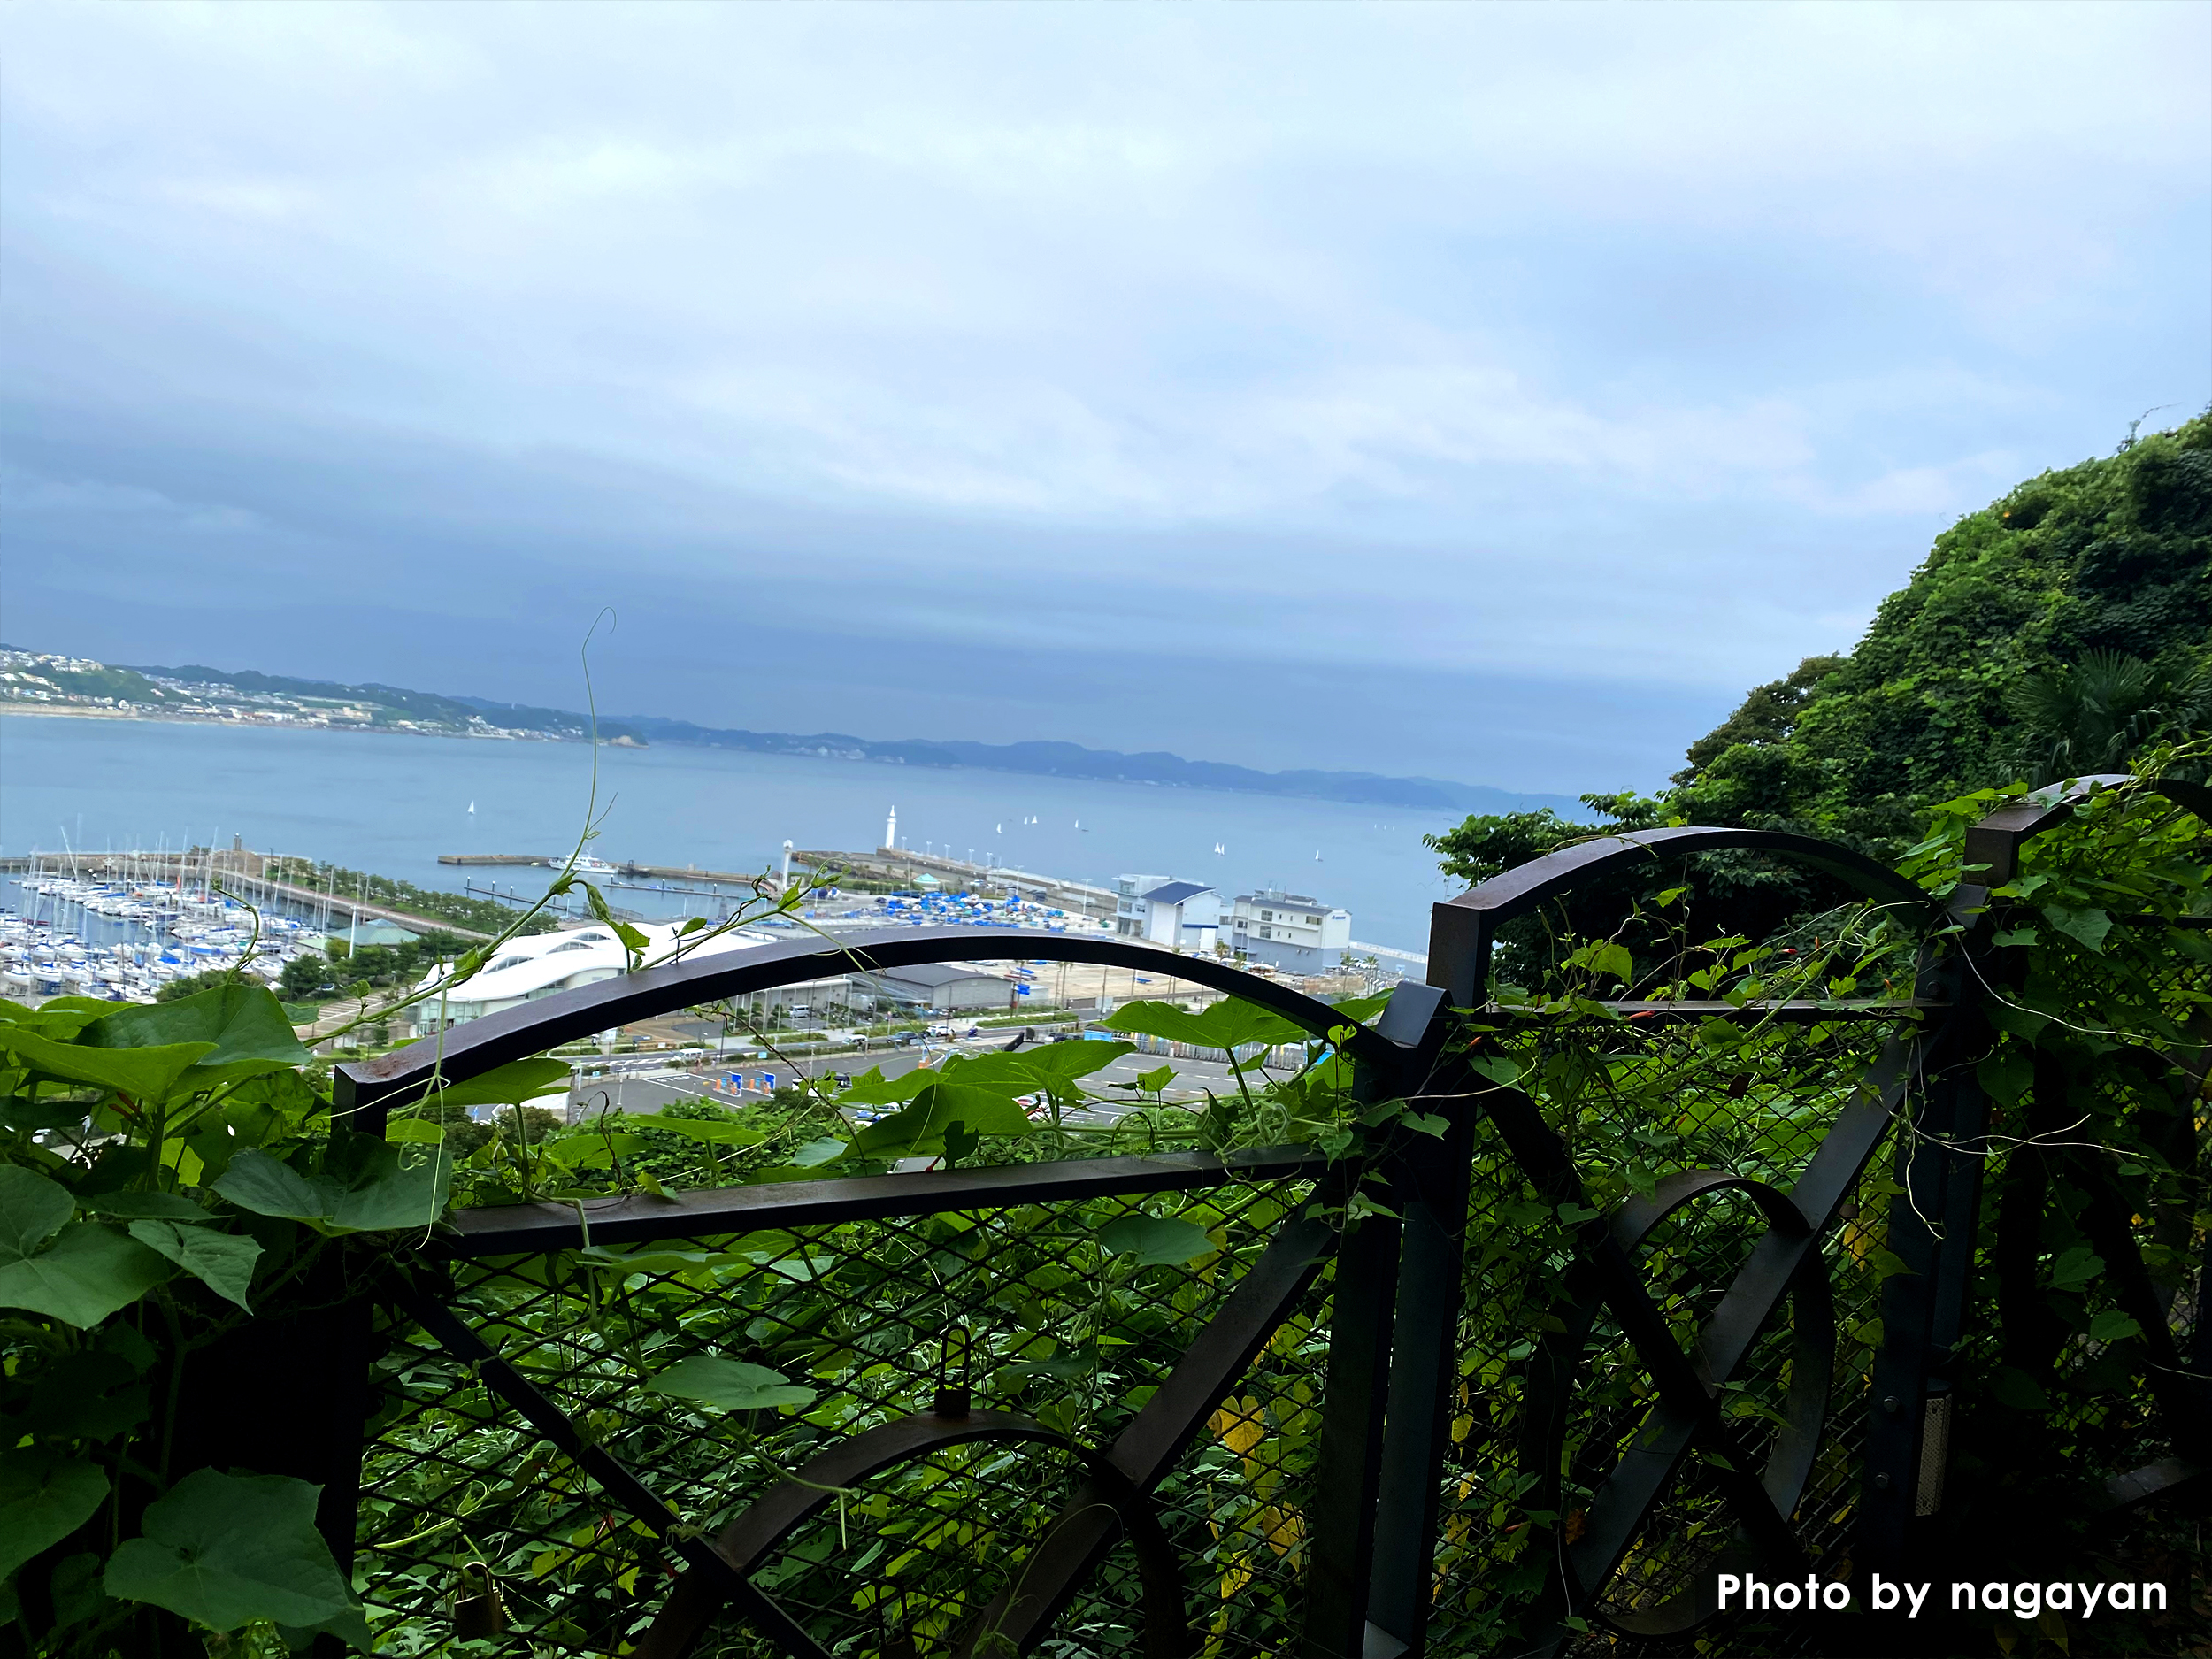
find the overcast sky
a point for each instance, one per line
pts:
(1484, 391)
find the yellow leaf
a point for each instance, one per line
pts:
(1239, 1428)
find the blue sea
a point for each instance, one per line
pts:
(391, 804)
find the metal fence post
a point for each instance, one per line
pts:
(1431, 1190)
(1364, 1368)
(1434, 1203)
(1931, 1231)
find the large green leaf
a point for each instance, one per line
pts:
(364, 1185)
(1358, 1011)
(1065, 1062)
(2086, 924)
(712, 1131)
(149, 1074)
(872, 1088)
(32, 1210)
(221, 1261)
(147, 1206)
(90, 1394)
(514, 1084)
(1053, 1066)
(593, 1151)
(257, 1111)
(89, 1271)
(60, 1018)
(269, 1186)
(44, 1497)
(1229, 1024)
(246, 1024)
(729, 1385)
(1155, 1240)
(224, 1550)
(919, 1131)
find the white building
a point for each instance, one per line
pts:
(545, 964)
(1288, 930)
(1181, 915)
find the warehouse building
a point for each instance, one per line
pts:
(939, 987)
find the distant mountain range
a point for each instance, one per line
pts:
(1047, 759)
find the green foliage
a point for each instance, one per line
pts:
(169, 1172)
(44, 1496)
(728, 1384)
(482, 917)
(1489, 844)
(307, 977)
(2057, 631)
(225, 1550)
(124, 684)
(1154, 1239)
(2095, 715)
(2063, 630)
(143, 1154)
(193, 984)
(363, 1185)
(2095, 1196)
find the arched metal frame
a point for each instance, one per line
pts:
(372, 1086)
(1388, 1057)
(1778, 1268)
(1464, 930)
(749, 1541)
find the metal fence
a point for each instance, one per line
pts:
(1481, 1414)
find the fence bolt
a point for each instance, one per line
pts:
(1891, 1404)
(1881, 1482)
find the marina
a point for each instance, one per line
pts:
(121, 938)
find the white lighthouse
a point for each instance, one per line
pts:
(891, 831)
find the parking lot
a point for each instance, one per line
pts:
(652, 1092)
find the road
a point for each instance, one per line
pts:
(650, 1093)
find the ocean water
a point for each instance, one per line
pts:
(391, 804)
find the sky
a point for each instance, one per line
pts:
(1484, 392)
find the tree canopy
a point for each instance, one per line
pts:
(2060, 630)
(2057, 631)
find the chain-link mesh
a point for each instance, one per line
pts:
(470, 1524)
(1631, 1098)
(2136, 1119)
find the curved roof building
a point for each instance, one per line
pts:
(546, 963)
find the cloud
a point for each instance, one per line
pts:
(1646, 344)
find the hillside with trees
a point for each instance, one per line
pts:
(2060, 630)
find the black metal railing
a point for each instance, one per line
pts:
(1314, 1435)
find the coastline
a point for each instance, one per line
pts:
(78, 711)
